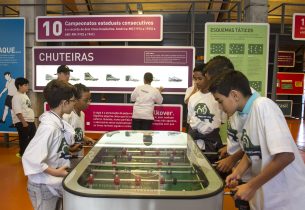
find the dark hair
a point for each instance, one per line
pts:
(217, 65)
(80, 89)
(199, 68)
(148, 77)
(231, 80)
(20, 81)
(56, 91)
(7, 73)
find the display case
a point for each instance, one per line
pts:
(143, 170)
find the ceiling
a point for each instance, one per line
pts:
(221, 9)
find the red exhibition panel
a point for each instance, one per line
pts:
(290, 83)
(298, 26)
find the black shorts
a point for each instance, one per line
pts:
(8, 101)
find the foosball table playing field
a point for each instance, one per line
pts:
(143, 170)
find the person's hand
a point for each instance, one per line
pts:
(225, 165)
(90, 141)
(232, 180)
(160, 89)
(223, 152)
(62, 171)
(244, 192)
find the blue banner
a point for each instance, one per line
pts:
(12, 65)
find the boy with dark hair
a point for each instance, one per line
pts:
(145, 96)
(77, 120)
(24, 118)
(205, 116)
(231, 153)
(46, 158)
(277, 168)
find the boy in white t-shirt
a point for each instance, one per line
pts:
(277, 169)
(77, 120)
(23, 117)
(145, 96)
(205, 115)
(46, 158)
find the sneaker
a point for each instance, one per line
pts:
(156, 79)
(174, 79)
(73, 78)
(18, 155)
(109, 77)
(89, 77)
(130, 78)
(49, 77)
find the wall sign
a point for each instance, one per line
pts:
(104, 117)
(99, 28)
(285, 106)
(116, 69)
(286, 59)
(245, 44)
(290, 83)
(298, 26)
(12, 65)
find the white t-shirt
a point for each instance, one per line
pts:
(145, 96)
(204, 112)
(265, 134)
(78, 123)
(48, 148)
(22, 104)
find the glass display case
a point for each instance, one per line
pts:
(143, 170)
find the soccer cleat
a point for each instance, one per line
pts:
(49, 77)
(130, 78)
(73, 78)
(174, 79)
(156, 79)
(109, 77)
(89, 77)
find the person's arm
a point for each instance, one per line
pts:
(195, 89)
(22, 120)
(134, 95)
(59, 172)
(237, 173)
(89, 140)
(3, 91)
(276, 165)
(226, 164)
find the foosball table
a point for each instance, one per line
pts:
(143, 170)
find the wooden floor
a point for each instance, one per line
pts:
(13, 195)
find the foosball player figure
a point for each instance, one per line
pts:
(90, 180)
(142, 152)
(114, 162)
(162, 180)
(172, 157)
(138, 181)
(174, 152)
(129, 157)
(158, 152)
(159, 163)
(116, 181)
(124, 152)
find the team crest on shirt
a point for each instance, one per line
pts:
(64, 149)
(203, 113)
(28, 103)
(249, 148)
(78, 135)
(232, 132)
